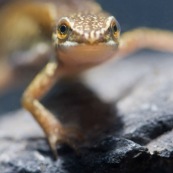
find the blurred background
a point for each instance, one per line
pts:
(135, 13)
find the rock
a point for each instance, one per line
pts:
(124, 109)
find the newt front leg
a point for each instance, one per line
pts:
(141, 38)
(52, 127)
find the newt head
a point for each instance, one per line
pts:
(86, 39)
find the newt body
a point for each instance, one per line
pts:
(81, 39)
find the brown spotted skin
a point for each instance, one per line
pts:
(87, 21)
(89, 27)
(85, 28)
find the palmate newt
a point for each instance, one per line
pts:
(83, 36)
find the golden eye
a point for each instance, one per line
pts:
(115, 29)
(63, 31)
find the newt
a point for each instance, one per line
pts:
(84, 36)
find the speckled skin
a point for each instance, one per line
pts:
(87, 27)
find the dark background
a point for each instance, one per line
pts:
(135, 13)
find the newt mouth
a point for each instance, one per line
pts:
(86, 54)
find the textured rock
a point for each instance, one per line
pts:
(127, 116)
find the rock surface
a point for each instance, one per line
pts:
(124, 108)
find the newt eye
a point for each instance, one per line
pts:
(63, 31)
(115, 29)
